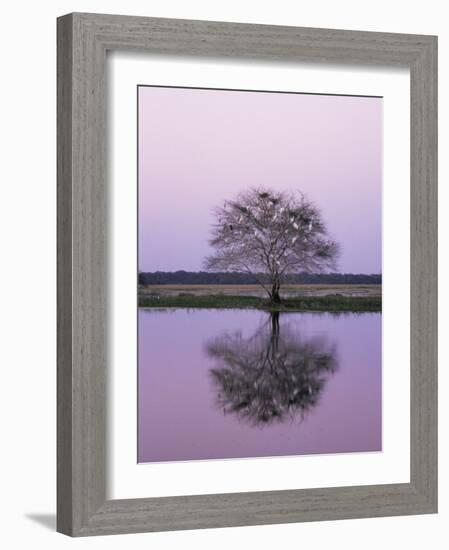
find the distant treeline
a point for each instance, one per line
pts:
(232, 278)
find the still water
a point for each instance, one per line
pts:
(245, 383)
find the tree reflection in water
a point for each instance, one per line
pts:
(272, 375)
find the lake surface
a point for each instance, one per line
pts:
(246, 383)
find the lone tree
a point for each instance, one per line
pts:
(270, 234)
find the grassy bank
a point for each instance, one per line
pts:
(332, 303)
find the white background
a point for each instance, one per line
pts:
(129, 479)
(27, 218)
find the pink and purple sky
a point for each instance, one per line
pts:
(199, 147)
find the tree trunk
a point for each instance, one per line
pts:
(275, 296)
(274, 315)
(274, 340)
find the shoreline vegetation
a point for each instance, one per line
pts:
(182, 277)
(296, 298)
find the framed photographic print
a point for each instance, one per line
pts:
(246, 274)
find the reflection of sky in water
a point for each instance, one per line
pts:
(222, 384)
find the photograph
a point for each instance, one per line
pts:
(259, 276)
(229, 218)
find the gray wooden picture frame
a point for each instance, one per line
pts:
(83, 40)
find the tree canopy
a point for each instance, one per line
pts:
(271, 233)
